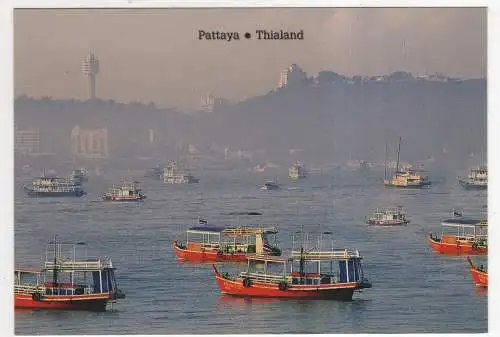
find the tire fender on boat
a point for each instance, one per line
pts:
(247, 282)
(282, 286)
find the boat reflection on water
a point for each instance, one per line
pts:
(244, 301)
(481, 291)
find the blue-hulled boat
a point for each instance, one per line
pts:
(52, 186)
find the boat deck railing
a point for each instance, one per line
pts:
(27, 288)
(261, 277)
(78, 265)
(210, 245)
(247, 231)
(326, 255)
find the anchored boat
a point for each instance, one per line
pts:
(314, 274)
(404, 178)
(52, 186)
(172, 175)
(297, 171)
(479, 274)
(210, 243)
(388, 217)
(477, 179)
(461, 236)
(128, 191)
(270, 185)
(67, 282)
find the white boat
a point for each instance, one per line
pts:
(477, 179)
(128, 191)
(394, 216)
(172, 175)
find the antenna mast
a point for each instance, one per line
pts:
(399, 149)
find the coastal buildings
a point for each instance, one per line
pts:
(89, 144)
(210, 103)
(27, 141)
(291, 76)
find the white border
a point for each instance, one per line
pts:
(6, 100)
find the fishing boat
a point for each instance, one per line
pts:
(66, 281)
(297, 171)
(394, 216)
(461, 236)
(53, 186)
(269, 186)
(80, 175)
(477, 179)
(211, 243)
(403, 178)
(172, 175)
(479, 274)
(307, 273)
(418, 174)
(127, 191)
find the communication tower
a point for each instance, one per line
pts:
(90, 68)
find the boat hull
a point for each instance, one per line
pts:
(207, 255)
(387, 223)
(471, 186)
(479, 277)
(457, 248)
(77, 302)
(340, 291)
(404, 186)
(124, 199)
(31, 193)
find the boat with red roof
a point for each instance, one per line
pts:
(479, 274)
(67, 283)
(307, 273)
(461, 236)
(207, 243)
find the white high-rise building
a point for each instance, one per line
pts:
(210, 103)
(291, 75)
(26, 141)
(90, 144)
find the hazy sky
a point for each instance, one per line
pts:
(154, 54)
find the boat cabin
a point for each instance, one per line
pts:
(307, 268)
(242, 239)
(464, 230)
(64, 274)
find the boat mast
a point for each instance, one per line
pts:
(54, 270)
(399, 149)
(385, 162)
(301, 261)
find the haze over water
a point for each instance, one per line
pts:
(414, 290)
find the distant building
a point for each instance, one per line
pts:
(210, 103)
(291, 76)
(27, 141)
(433, 77)
(89, 144)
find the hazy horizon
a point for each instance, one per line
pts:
(154, 54)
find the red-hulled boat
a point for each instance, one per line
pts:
(461, 236)
(479, 274)
(210, 244)
(313, 278)
(67, 283)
